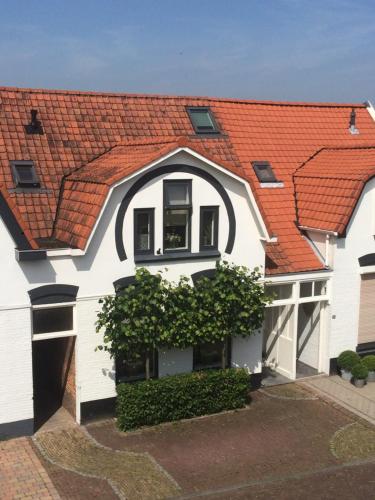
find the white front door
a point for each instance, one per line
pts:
(279, 346)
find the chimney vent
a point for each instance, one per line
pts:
(352, 126)
(35, 125)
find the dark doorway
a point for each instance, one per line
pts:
(53, 378)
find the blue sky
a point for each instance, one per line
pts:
(317, 50)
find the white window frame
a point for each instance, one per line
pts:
(54, 335)
(295, 298)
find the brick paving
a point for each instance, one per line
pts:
(275, 437)
(359, 401)
(131, 475)
(288, 444)
(22, 476)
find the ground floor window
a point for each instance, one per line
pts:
(210, 355)
(130, 371)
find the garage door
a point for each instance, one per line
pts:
(366, 330)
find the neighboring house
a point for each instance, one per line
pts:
(93, 185)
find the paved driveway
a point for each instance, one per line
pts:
(288, 444)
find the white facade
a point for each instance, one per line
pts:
(94, 272)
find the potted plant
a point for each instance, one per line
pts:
(360, 373)
(369, 362)
(346, 361)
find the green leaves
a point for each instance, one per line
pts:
(180, 396)
(156, 314)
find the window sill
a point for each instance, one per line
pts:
(208, 254)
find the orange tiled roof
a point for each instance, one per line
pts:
(329, 185)
(81, 126)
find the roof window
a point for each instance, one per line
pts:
(264, 172)
(203, 121)
(24, 174)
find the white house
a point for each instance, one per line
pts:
(94, 185)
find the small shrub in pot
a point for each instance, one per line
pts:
(346, 361)
(369, 362)
(360, 374)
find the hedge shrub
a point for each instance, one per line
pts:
(180, 396)
(348, 359)
(360, 371)
(369, 362)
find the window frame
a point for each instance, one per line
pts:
(151, 213)
(54, 334)
(137, 378)
(203, 109)
(187, 206)
(228, 361)
(257, 164)
(215, 210)
(34, 183)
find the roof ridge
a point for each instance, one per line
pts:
(262, 102)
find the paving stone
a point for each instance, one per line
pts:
(21, 473)
(131, 475)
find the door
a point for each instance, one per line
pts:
(366, 328)
(279, 346)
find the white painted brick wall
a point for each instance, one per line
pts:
(95, 373)
(16, 379)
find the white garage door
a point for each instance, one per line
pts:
(366, 330)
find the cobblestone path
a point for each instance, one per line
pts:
(131, 475)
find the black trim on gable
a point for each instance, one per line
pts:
(53, 294)
(13, 226)
(167, 170)
(367, 260)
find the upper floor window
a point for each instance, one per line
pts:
(24, 174)
(143, 231)
(203, 120)
(208, 235)
(177, 215)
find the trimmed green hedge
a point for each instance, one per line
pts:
(180, 396)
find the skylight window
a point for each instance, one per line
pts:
(264, 171)
(203, 121)
(24, 174)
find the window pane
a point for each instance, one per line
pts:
(25, 173)
(176, 229)
(202, 120)
(208, 228)
(134, 370)
(177, 193)
(306, 289)
(143, 231)
(280, 292)
(208, 355)
(320, 288)
(55, 319)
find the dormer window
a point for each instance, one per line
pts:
(177, 213)
(203, 120)
(264, 172)
(24, 174)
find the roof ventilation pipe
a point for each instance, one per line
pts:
(35, 125)
(352, 126)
